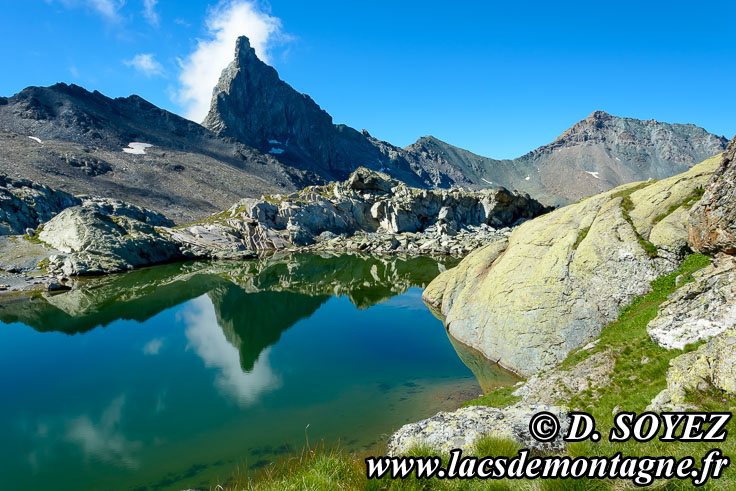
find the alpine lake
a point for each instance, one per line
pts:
(174, 376)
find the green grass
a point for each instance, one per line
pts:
(498, 398)
(634, 384)
(582, 234)
(626, 207)
(34, 237)
(686, 203)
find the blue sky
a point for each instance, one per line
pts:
(495, 78)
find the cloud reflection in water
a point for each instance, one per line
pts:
(205, 336)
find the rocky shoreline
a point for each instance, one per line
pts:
(49, 237)
(655, 226)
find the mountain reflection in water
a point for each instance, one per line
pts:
(169, 376)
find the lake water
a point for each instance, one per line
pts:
(170, 377)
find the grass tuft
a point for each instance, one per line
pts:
(626, 207)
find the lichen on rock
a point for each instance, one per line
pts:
(549, 291)
(461, 429)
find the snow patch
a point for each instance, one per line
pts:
(527, 178)
(276, 151)
(137, 148)
(486, 180)
(594, 174)
(36, 139)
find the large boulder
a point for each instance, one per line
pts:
(712, 225)
(463, 428)
(567, 273)
(94, 243)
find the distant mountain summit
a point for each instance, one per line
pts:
(604, 151)
(252, 104)
(594, 155)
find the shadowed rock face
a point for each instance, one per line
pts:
(712, 226)
(25, 205)
(251, 104)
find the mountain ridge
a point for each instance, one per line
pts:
(76, 140)
(264, 137)
(599, 152)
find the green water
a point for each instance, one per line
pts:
(170, 377)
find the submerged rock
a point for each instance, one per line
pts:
(527, 303)
(461, 429)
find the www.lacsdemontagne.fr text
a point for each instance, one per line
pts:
(642, 471)
(545, 427)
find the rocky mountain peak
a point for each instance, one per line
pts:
(598, 115)
(253, 105)
(243, 49)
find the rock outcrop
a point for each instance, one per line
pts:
(705, 308)
(712, 366)
(370, 212)
(94, 242)
(528, 302)
(461, 429)
(385, 213)
(698, 310)
(712, 226)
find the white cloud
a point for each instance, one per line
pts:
(153, 347)
(109, 9)
(146, 64)
(206, 337)
(203, 67)
(104, 440)
(149, 12)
